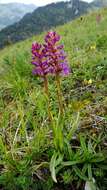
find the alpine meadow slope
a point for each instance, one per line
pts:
(30, 157)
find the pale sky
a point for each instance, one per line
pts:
(37, 2)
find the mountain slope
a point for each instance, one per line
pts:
(15, 12)
(42, 19)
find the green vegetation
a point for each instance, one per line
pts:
(35, 154)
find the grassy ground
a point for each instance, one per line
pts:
(27, 139)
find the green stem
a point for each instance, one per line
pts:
(46, 90)
(59, 94)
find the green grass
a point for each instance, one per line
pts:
(29, 147)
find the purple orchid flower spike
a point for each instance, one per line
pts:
(39, 60)
(55, 54)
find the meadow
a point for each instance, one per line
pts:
(71, 151)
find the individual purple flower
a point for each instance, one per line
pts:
(52, 37)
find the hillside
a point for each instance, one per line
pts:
(76, 145)
(42, 19)
(15, 12)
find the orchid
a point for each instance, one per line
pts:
(50, 59)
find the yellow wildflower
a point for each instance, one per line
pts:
(93, 47)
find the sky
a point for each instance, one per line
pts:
(37, 2)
